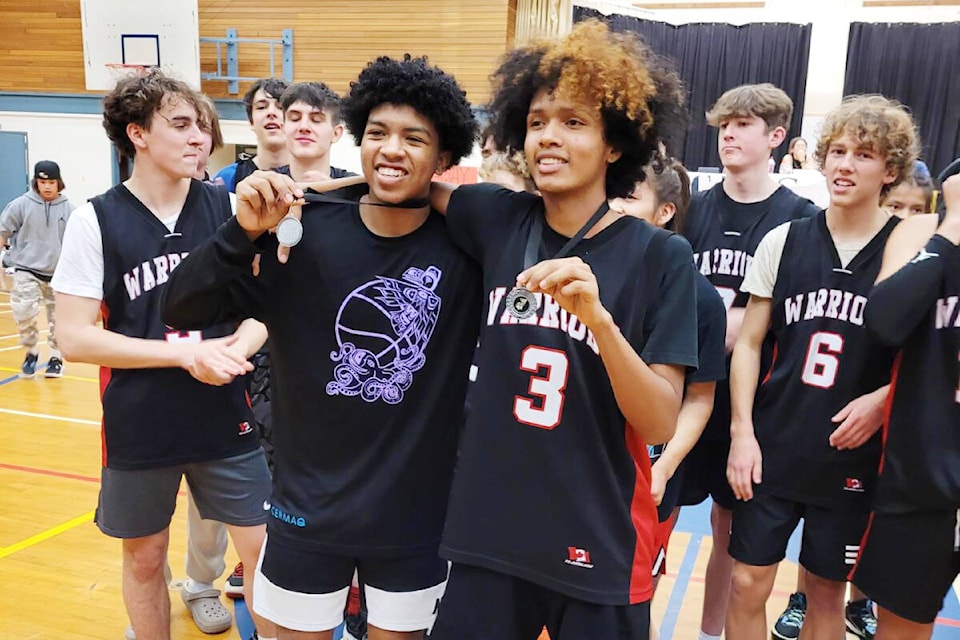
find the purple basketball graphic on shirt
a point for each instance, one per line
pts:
(383, 328)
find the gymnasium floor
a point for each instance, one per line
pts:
(61, 576)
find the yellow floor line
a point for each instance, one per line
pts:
(45, 535)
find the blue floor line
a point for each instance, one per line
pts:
(680, 587)
(10, 379)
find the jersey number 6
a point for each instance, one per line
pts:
(547, 388)
(822, 360)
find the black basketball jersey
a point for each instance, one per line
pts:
(920, 469)
(335, 172)
(824, 357)
(160, 417)
(552, 485)
(370, 346)
(724, 235)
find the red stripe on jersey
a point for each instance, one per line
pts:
(643, 514)
(887, 408)
(773, 361)
(104, 381)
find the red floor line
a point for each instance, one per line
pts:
(58, 474)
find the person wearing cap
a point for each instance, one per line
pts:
(37, 219)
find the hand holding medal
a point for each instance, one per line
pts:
(569, 281)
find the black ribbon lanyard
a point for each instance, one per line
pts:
(290, 230)
(522, 303)
(413, 203)
(532, 253)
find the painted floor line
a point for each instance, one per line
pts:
(45, 416)
(48, 472)
(45, 535)
(680, 587)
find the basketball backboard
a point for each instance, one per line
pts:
(140, 32)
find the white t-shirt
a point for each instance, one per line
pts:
(762, 274)
(80, 269)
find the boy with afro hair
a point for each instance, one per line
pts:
(373, 321)
(588, 327)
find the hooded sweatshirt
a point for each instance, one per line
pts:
(38, 229)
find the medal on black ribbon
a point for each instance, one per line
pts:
(522, 303)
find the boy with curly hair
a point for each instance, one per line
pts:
(160, 421)
(366, 438)
(589, 325)
(804, 443)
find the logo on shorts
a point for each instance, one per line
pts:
(578, 557)
(853, 484)
(245, 428)
(266, 505)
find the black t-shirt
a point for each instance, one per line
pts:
(711, 338)
(162, 416)
(371, 340)
(552, 485)
(825, 358)
(724, 235)
(920, 469)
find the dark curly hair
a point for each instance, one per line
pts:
(639, 94)
(135, 99)
(273, 87)
(413, 82)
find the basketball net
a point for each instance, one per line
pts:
(119, 70)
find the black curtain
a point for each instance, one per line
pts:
(916, 64)
(712, 58)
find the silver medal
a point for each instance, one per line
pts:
(521, 303)
(289, 231)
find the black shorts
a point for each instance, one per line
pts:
(307, 590)
(704, 473)
(908, 562)
(480, 604)
(762, 527)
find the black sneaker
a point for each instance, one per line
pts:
(860, 620)
(789, 623)
(54, 368)
(29, 367)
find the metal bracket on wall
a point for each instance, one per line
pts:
(231, 44)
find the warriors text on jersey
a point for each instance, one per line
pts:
(552, 485)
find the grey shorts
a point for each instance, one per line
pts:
(141, 502)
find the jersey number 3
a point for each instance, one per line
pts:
(822, 360)
(551, 368)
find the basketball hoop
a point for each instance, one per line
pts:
(120, 70)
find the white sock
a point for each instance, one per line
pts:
(55, 353)
(707, 636)
(196, 587)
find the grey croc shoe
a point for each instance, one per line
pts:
(208, 612)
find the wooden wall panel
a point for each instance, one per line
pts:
(41, 47)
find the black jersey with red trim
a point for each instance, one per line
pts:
(824, 358)
(920, 469)
(370, 346)
(163, 416)
(724, 235)
(552, 484)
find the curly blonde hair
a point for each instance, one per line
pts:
(876, 123)
(638, 94)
